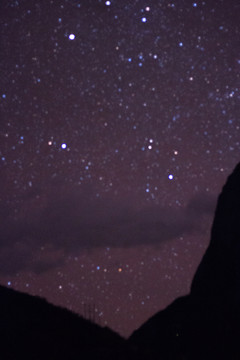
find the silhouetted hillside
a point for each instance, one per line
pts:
(31, 328)
(219, 271)
(204, 324)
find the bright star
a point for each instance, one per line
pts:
(71, 37)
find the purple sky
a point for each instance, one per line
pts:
(119, 126)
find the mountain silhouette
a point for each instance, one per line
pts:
(32, 328)
(206, 323)
(202, 325)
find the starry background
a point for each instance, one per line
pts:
(119, 125)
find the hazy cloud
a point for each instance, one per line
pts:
(66, 222)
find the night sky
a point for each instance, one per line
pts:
(119, 124)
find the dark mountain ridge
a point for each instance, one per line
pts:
(206, 323)
(202, 325)
(32, 328)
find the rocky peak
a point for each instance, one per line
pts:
(205, 323)
(219, 271)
